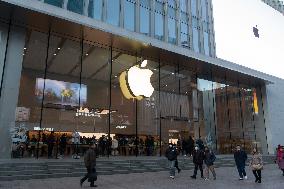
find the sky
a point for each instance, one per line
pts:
(235, 41)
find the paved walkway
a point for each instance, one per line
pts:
(227, 178)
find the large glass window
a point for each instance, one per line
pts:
(75, 6)
(195, 38)
(194, 8)
(204, 10)
(206, 43)
(183, 5)
(184, 38)
(172, 29)
(159, 20)
(57, 3)
(145, 17)
(113, 12)
(95, 9)
(129, 15)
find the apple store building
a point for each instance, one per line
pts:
(78, 80)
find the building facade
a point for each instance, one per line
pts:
(61, 61)
(276, 4)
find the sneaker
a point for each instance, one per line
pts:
(193, 177)
(246, 177)
(172, 177)
(241, 178)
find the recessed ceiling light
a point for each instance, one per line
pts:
(155, 69)
(58, 48)
(115, 76)
(25, 48)
(185, 92)
(54, 54)
(173, 73)
(166, 85)
(87, 54)
(23, 54)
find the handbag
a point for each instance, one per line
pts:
(257, 166)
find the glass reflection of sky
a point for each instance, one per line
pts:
(54, 88)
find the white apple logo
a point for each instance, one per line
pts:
(136, 83)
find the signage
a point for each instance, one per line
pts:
(135, 82)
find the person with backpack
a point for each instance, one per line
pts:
(209, 158)
(171, 155)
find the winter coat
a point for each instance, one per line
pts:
(90, 158)
(280, 159)
(209, 158)
(256, 159)
(198, 156)
(171, 154)
(240, 158)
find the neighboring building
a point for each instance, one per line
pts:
(58, 57)
(276, 4)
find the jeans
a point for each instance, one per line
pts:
(172, 167)
(196, 166)
(242, 171)
(257, 174)
(211, 168)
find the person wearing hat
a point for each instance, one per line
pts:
(171, 154)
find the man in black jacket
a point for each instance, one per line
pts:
(198, 157)
(240, 159)
(90, 163)
(171, 154)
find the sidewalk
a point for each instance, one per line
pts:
(226, 178)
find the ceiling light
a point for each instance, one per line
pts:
(58, 48)
(166, 85)
(87, 54)
(25, 48)
(54, 54)
(115, 76)
(23, 54)
(173, 73)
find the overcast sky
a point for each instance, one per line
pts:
(235, 41)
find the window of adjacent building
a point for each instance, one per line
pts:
(145, 17)
(195, 38)
(112, 14)
(172, 22)
(95, 9)
(206, 43)
(129, 15)
(193, 8)
(159, 20)
(75, 6)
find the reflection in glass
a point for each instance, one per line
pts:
(194, 8)
(206, 43)
(75, 6)
(112, 14)
(129, 15)
(195, 36)
(172, 30)
(95, 9)
(144, 20)
(159, 26)
(57, 3)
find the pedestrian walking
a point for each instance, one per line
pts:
(280, 158)
(176, 163)
(240, 157)
(198, 157)
(171, 154)
(90, 164)
(256, 164)
(50, 144)
(209, 159)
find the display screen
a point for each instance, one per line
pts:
(60, 92)
(250, 33)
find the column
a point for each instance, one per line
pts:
(10, 87)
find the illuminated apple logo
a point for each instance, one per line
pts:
(136, 83)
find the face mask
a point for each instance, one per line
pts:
(170, 146)
(196, 148)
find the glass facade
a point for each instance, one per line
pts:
(71, 85)
(176, 22)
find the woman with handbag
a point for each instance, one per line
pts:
(256, 165)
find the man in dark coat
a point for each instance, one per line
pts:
(50, 144)
(209, 158)
(198, 157)
(240, 159)
(171, 154)
(90, 164)
(190, 146)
